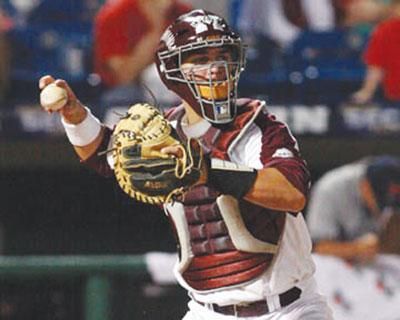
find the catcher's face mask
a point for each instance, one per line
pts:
(212, 75)
(201, 59)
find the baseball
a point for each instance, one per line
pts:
(53, 97)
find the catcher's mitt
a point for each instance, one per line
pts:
(142, 171)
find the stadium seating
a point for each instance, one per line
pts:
(323, 64)
(319, 67)
(56, 39)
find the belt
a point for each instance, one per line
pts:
(254, 309)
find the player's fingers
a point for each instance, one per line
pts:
(175, 150)
(63, 84)
(45, 81)
(70, 93)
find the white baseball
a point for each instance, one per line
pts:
(53, 97)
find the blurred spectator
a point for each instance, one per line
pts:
(382, 60)
(283, 20)
(353, 13)
(127, 33)
(350, 207)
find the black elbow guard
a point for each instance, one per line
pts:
(230, 178)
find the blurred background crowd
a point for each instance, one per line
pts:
(329, 68)
(300, 53)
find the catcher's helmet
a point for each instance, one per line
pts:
(212, 99)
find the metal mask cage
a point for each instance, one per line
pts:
(224, 110)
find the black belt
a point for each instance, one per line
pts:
(257, 308)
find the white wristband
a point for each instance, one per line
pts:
(83, 133)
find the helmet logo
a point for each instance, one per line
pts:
(169, 39)
(202, 23)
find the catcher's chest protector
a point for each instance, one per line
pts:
(223, 242)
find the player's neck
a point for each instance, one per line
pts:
(191, 116)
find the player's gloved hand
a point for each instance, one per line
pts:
(151, 164)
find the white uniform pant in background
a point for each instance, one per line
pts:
(311, 306)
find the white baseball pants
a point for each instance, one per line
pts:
(312, 306)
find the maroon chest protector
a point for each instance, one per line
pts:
(215, 261)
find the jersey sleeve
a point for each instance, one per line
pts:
(116, 32)
(374, 54)
(280, 150)
(98, 162)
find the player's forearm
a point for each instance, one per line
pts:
(373, 78)
(85, 152)
(127, 69)
(267, 187)
(272, 190)
(344, 250)
(83, 130)
(348, 250)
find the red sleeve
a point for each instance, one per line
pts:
(118, 28)
(375, 52)
(280, 151)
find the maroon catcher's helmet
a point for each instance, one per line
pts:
(214, 100)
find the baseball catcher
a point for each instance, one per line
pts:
(229, 175)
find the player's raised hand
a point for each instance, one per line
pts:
(57, 96)
(361, 96)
